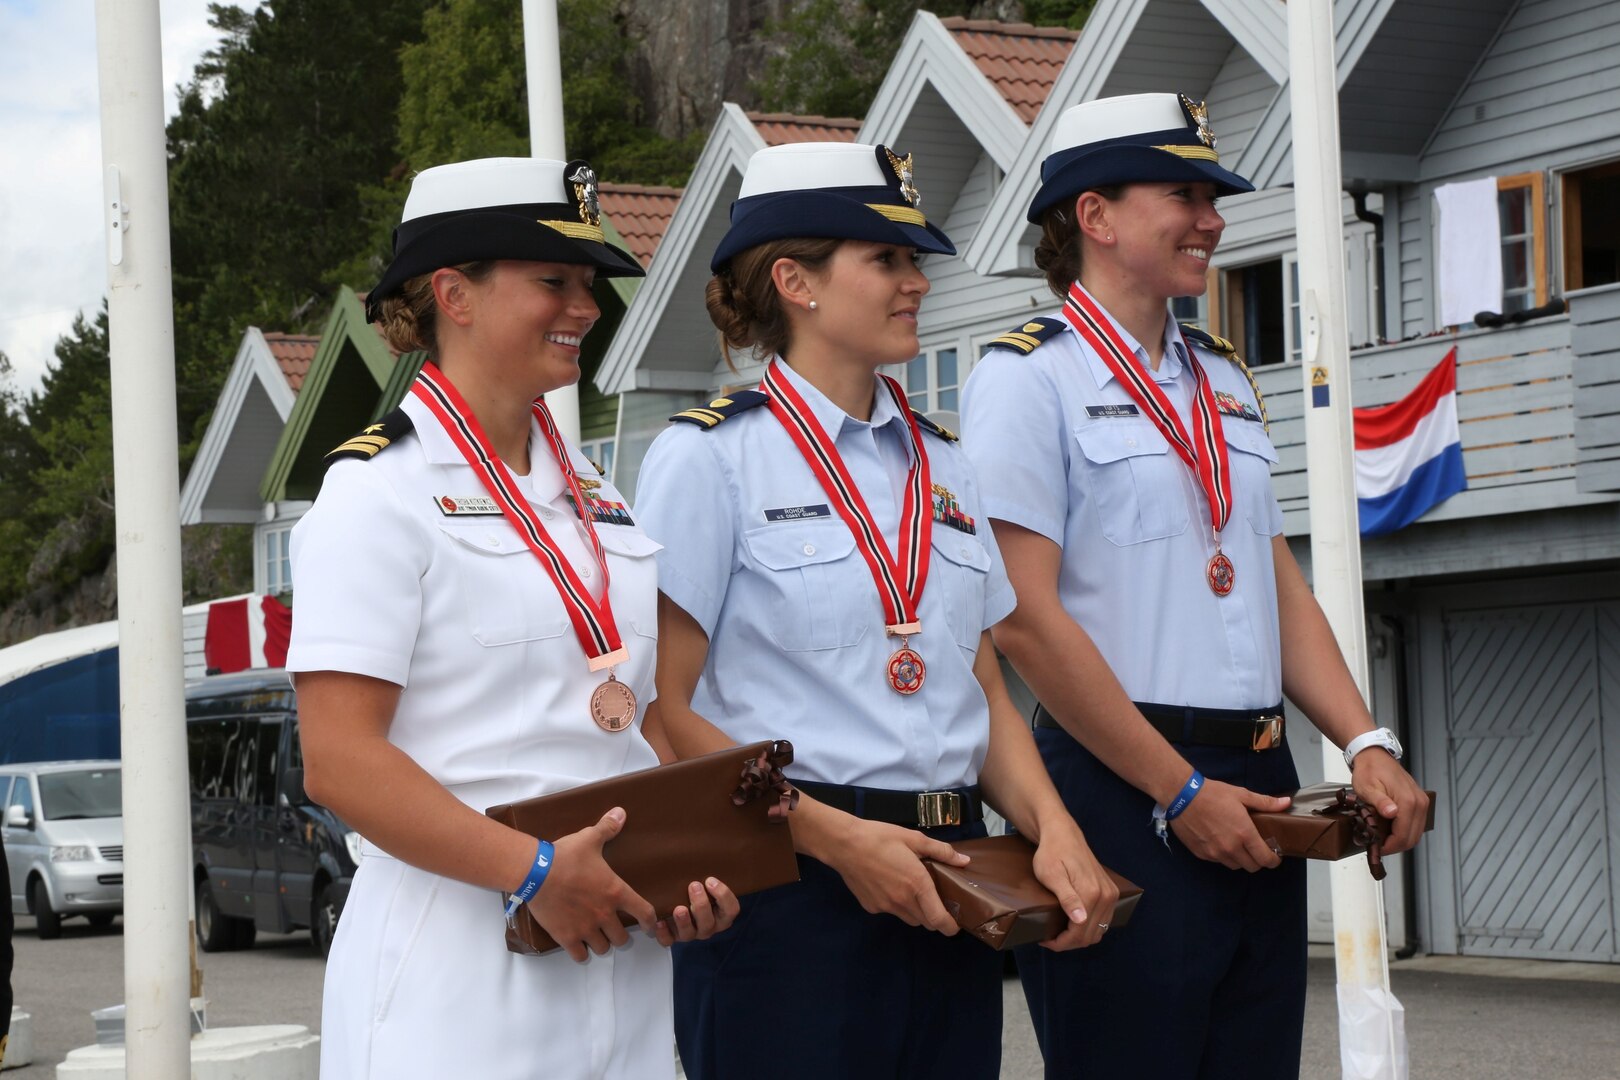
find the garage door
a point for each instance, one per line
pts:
(1534, 695)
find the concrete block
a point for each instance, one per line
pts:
(20, 1045)
(270, 1052)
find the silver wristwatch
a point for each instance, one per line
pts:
(1382, 737)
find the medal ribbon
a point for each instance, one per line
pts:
(1207, 457)
(593, 621)
(900, 585)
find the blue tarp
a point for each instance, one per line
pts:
(66, 711)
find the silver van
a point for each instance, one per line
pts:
(63, 828)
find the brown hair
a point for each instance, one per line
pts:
(409, 318)
(1057, 255)
(742, 299)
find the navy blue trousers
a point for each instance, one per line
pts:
(807, 985)
(1207, 981)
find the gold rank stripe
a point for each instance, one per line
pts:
(708, 415)
(904, 214)
(366, 444)
(1201, 153)
(1023, 341)
(576, 229)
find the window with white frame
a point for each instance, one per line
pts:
(275, 561)
(601, 452)
(1259, 311)
(933, 380)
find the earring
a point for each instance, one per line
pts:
(1110, 238)
(812, 305)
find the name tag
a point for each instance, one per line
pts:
(467, 506)
(798, 513)
(1103, 412)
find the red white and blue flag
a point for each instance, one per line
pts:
(1409, 453)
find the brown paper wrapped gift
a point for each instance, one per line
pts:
(1320, 823)
(720, 815)
(998, 899)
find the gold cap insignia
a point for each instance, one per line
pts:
(584, 180)
(1200, 113)
(906, 171)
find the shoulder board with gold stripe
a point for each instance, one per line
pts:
(938, 429)
(1221, 347)
(374, 438)
(1028, 337)
(723, 408)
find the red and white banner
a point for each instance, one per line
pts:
(248, 632)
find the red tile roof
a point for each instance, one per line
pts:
(641, 214)
(292, 353)
(1020, 60)
(779, 128)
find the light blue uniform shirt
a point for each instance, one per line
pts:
(1063, 451)
(755, 551)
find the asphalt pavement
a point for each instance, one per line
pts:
(1466, 1018)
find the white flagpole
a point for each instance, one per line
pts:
(1372, 1043)
(157, 828)
(542, 51)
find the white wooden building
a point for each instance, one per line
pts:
(1495, 621)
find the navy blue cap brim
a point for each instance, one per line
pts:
(473, 236)
(823, 215)
(1115, 163)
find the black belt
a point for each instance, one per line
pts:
(1246, 729)
(916, 809)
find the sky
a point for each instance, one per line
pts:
(52, 257)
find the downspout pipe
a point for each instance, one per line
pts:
(1359, 200)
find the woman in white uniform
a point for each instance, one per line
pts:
(828, 578)
(476, 624)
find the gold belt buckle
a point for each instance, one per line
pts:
(936, 808)
(1268, 732)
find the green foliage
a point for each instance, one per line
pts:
(1069, 13)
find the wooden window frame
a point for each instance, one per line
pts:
(1537, 184)
(1569, 201)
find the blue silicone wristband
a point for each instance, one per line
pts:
(1189, 791)
(537, 877)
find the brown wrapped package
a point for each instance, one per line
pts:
(998, 899)
(720, 815)
(1321, 823)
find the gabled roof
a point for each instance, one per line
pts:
(253, 406)
(1021, 61)
(641, 215)
(343, 389)
(779, 128)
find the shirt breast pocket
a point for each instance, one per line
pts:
(1132, 477)
(506, 595)
(1252, 455)
(635, 577)
(818, 593)
(960, 571)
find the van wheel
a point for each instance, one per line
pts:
(217, 932)
(323, 918)
(46, 919)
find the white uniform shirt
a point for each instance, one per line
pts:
(458, 611)
(755, 552)
(1063, 451)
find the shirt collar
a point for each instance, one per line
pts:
(544, 482)
(1169, 368)
(835, 421)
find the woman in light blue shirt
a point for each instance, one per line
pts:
(828, 577)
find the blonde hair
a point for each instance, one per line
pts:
(409, 318)
(743, 302)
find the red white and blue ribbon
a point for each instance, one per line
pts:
(593, 620)
(899, 583)
(1206, 456)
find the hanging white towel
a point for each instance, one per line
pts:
(1470, 250)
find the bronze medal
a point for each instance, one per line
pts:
(1220, 573)
(906, 670)
(613, 705)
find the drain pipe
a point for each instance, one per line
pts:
(1359, 200)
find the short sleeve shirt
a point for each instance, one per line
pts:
(755, 553)
(1062, 450)
(455, 608)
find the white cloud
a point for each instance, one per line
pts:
(52, 261)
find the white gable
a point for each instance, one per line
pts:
(253, 406)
